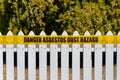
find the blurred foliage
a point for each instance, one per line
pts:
(59, 15)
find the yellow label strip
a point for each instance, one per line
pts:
(60, 39)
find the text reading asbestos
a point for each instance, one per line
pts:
(60, 39)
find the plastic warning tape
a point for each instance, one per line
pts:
(60, 39)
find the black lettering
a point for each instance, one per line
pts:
(88, 39)
(32, 39)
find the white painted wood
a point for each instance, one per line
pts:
(20, 60)
(53, 60)
(43, 60)
(98, 60)
(75, 59)
(118, 60)
(87, 63)
(1, 60)
(31, 60)
(109, 60)
(64, 60)
(9, 60)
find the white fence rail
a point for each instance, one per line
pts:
(76, 50)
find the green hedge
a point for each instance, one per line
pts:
(59, 15)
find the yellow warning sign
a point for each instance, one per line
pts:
(60, 39)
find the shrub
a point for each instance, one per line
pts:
(59, 15)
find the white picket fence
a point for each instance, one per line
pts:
(64, 49)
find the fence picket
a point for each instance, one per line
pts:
(9, 60)
(109, 60)
(43, 60)
(64, 60)
(118, 60)
(87, 63)
(1, 60)
(75, 59)
(98, 60)
(31, 60)
(53, 60)
(20, 60)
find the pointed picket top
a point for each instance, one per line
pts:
(0, 33)
(109, 33)
(53, 33)
(119, 33)
(64, 33)
(42, 33)
(87, 33)
(98, 33)
(20, 33)
(31, 33)
(76, 33)
(9, 33)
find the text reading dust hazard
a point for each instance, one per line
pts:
(60, 39)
